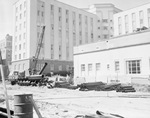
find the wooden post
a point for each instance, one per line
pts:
(35, 107)
(5, 91)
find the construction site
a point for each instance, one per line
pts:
(68, 62)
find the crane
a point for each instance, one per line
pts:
(35, 58)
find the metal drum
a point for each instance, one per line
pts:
(22, 106)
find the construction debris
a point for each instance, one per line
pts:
(100, 114)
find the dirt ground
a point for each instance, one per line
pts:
(65, 103)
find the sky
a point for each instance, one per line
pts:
(6, 26)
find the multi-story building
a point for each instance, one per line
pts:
(66, 26)
(6, 54)
(130, 20)
(6, 49)
(105, 23)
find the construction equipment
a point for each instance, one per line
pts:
(35, 58)
(34, 76)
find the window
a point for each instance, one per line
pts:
(19, 46)
(19, 56)
(20, 16)
(82, 67)
(133, 66)
(20, 37)
(89, 67)
(16, 18)
(42, 14)
(16, 9)
(133, 22)
(15, 48)
(141, 15)
(97, 66)
(24, 3)
(52, 8)
(105, 20)
(20, 27)
(24, 55)
(126, 23)
(24, 45)
(59, 10)
(116, 66)
(24, 13)
(38, 13)
(105, 36)
(15, 57)
(20, 6)
(24, 24)
(60, 67)
(119, 25)
(24, 35)
(105, 28)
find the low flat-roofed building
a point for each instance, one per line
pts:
(123, 58)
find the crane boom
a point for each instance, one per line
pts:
(35, 58)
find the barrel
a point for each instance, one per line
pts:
(23, 108)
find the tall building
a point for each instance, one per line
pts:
(105, 13)
(130, 20)
(6, 49)
(66, 26)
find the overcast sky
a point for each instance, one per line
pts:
(6, 10)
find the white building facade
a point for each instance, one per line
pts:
(123, 58)
(105, 13)
(130, 20)
(66, 26)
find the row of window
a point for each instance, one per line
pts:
(20, 37)
(132, 67)
(20, 56)
(20, 47)
(19, 17)
(20, 27)
(40, 66)
(133, 17)
(20, 7)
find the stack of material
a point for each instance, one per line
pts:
(72, 87)
(90, 86)
(100, 114)
(109, 87)
(62, 84)
(125, 88)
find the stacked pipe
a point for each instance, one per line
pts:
(90, 86)
(125, 88)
